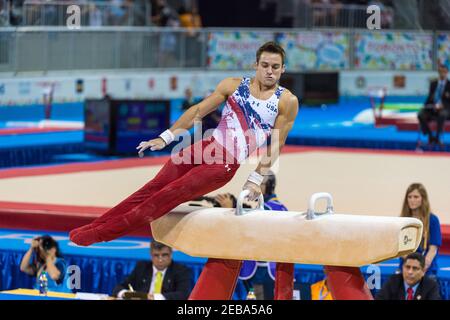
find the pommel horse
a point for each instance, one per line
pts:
(342, 243)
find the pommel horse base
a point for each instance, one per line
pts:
(340, 242)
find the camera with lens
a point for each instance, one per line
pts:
(45, 243)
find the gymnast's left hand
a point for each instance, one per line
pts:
(154, 144)
(254, 189)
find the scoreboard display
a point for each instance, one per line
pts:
(97, 125)
(118, 126)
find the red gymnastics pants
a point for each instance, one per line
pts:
(173, 185)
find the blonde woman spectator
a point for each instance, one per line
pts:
(417, 205)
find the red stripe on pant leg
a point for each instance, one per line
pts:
(347, 283)
(198, 181)
(168, 173)
(217, 280)
(284, 281)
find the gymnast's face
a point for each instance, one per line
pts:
(162, 258)
(269, 69)
(414, 200)
(412, 272)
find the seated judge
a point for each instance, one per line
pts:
(411, 283)
(158, 279)
(437, 106)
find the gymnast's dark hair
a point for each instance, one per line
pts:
(271, 47)
(155, 245)
(48, 243)
(416, 256)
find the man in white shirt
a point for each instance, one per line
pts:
(437, 106)
(160, 279)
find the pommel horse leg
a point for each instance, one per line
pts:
(217, 280)
(284, 281)
(347, 283)
(219, 277)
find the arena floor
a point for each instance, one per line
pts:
(361, 181)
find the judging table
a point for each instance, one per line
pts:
(29, 294)
(33, 294)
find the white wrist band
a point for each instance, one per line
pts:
(167, 136)
(256, 178)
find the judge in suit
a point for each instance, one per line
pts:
(437, 106)
(160, 279)
(412, 283)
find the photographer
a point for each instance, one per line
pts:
(44, 256)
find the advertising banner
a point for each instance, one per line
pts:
(315, 50)
(393, 51)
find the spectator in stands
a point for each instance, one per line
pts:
(95, 15)
(131, 13)
(4, 14)
(417, 205)
(319, 12)
(160, 279)
(51, 13)
(334, 12)
(118, 12)
(188, 99)
(138, 10)
(437, 106)
(271, 201)
(16, 13)
(387, 13)
(163, 15)
(44, 256)
(190, 19)
(412, 283)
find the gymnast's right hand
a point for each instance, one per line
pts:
(154, 145)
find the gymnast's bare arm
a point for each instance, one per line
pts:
(287, 112)
(225, 88)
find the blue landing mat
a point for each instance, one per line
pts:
(106, 264)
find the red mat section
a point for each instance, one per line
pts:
(445, 249)
(36, 216)
(403, 124)
(11, 131)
